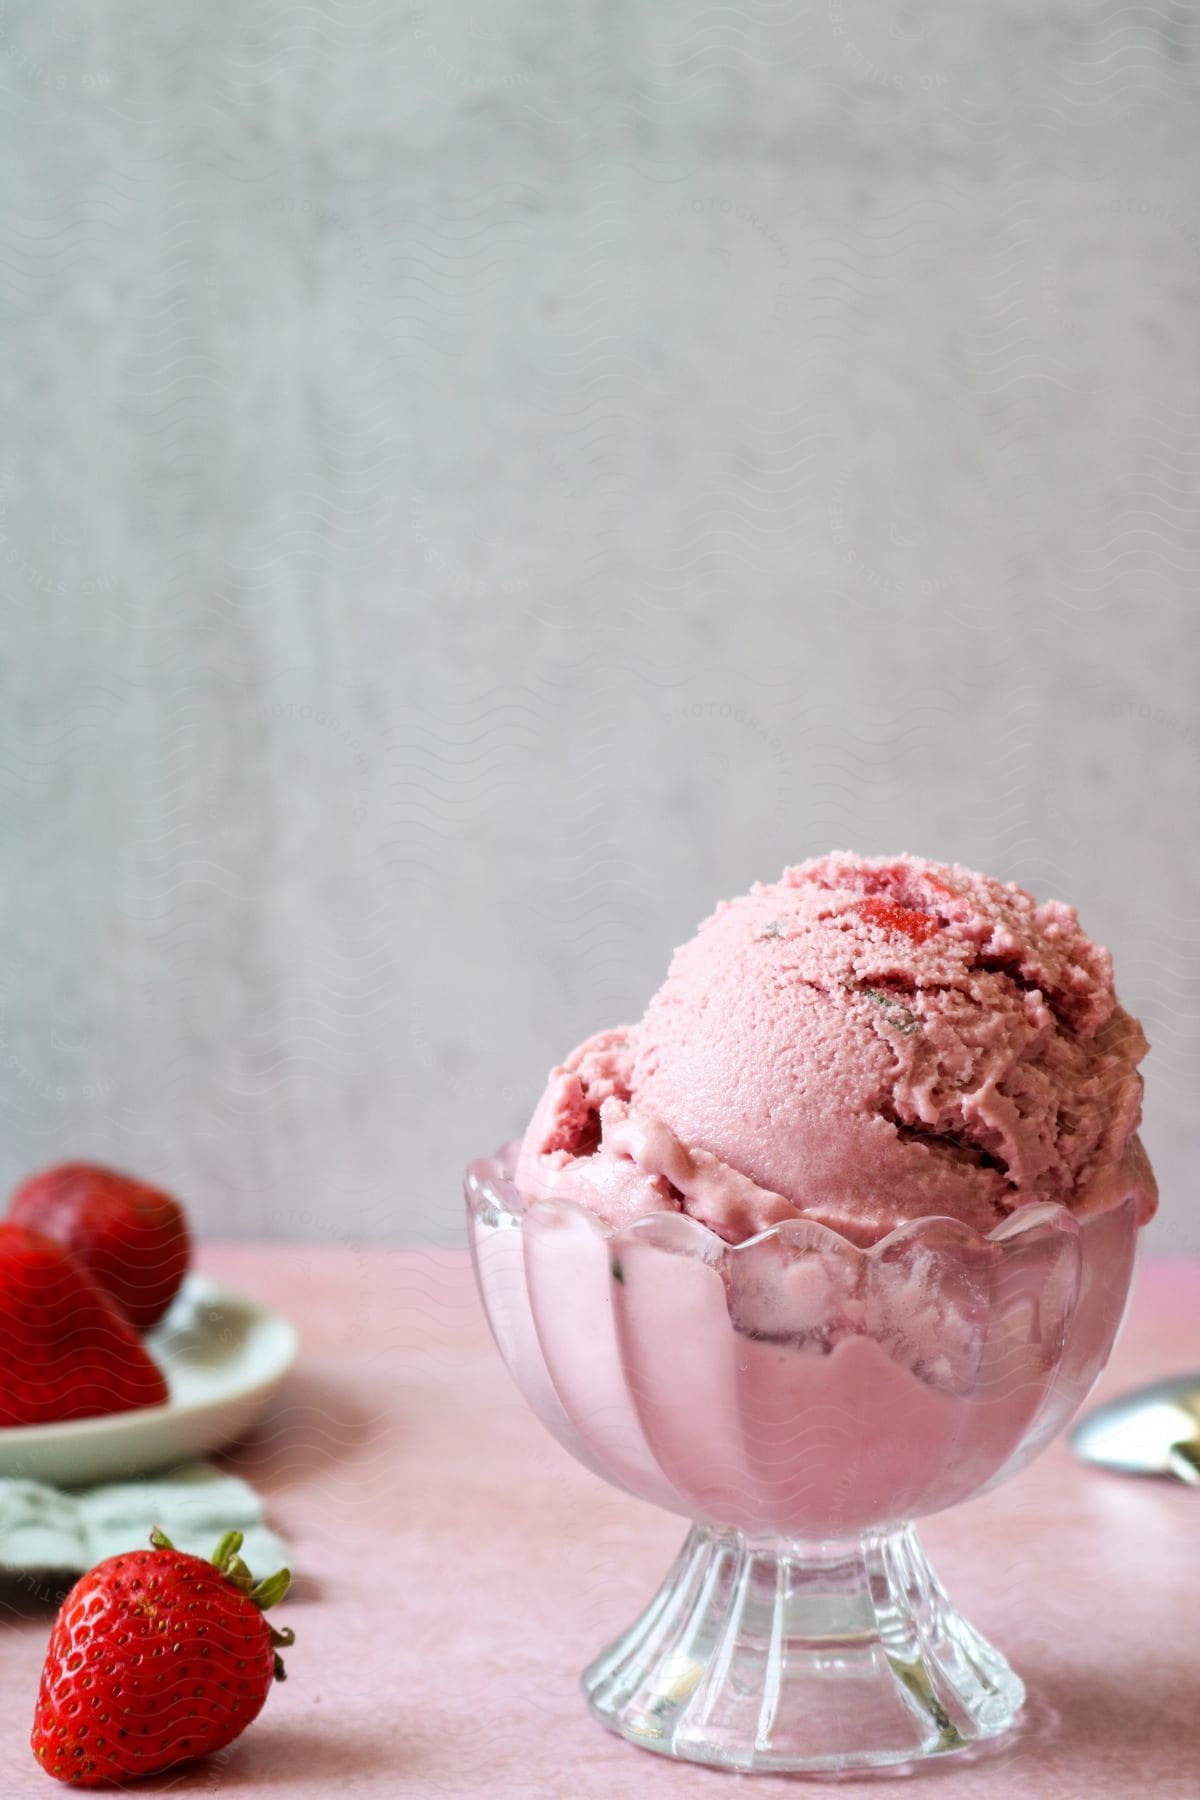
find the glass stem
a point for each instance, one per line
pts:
(776, 1654)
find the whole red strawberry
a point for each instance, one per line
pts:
(156, 1657)
(132, 1238)
(67, 1351)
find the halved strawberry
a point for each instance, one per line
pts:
(131, 1237)
(67, 1351)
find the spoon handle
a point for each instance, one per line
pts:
(1183, 1460)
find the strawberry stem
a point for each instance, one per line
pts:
(239, 1574)
(226, 1550)
(271, 1589)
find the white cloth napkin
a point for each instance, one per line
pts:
(44, 1528)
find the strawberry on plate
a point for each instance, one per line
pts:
(156, 1657)
(67, 1351)
(132, 1238)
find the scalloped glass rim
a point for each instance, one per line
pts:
(488, 1179)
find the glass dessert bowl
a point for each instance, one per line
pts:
(802, 1401)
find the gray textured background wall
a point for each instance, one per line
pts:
(480, 485)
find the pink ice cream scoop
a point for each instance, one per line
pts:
(863, 1042)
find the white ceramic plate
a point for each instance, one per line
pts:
(223, 1357)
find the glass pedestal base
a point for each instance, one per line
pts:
(759, 1654)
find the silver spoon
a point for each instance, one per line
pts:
(1154, 1431)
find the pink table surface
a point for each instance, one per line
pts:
(457, 1570)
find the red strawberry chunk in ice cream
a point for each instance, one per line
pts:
(915, 925)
